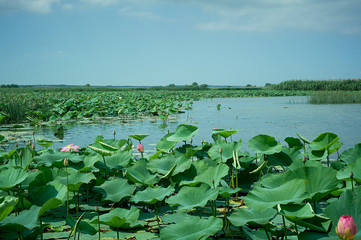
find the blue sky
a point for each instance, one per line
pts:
(160, 42)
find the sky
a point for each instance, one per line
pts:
(162, 42)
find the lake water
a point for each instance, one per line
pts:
(279, 117)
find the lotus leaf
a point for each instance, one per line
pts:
(139, 137)
(165, 145)
(323, 141)
(255, 235)
(192, 228)
(244, 216)
(12, 177)
(344, 174)
(284, 158)
(183, 132)
(319, 181)
(119, 160)
(39, 196)
(212, 175)
(27, 219)
(121, 218)
(50, 158)
(227, 150)
(187, 178)
(193, 197)
(294, 143)
(116, 189)
(261, 198)
(83, 226)
(224, 132)
(75, 179)
(296, 212)
(303, 139)
(7, 204)
(45, 143)
(225, 191)
(138, 173)
(264, 144)
(352, 154)
(164, 165)
(152, 195)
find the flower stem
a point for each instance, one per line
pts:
(106, 170)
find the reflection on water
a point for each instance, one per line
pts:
(279, 117)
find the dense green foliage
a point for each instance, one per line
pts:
(183, 191)
(335, 97)
(62, 104)
(320, 85)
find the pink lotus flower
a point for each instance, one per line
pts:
(346, 228)
(70, 148)
(140, 148)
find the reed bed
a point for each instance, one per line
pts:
(335, 97)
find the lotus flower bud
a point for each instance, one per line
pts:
(140, 148)
(346, 228)
(220, 150)
(96, 208)
(33, 146)
(114, 132)
(66, 163)
(202, 141)
(351, 175)
(21, 153)
(191, 140)
(16, 145)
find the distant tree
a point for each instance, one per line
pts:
(204, 86)
(248, 85)
(194, 84)
(87, 85)
(268, 85)
(171, 85)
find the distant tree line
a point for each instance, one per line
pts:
(9, 86)
(319, 85)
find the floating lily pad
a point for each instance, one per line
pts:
(116, 189)
(183, 132)
(242, 216)
(152, 195)
(264, 144)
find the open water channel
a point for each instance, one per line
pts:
(279, 117)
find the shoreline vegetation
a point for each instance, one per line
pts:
(36, 104)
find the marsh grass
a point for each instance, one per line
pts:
(335, 97)
(15, 108)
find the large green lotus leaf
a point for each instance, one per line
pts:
(139, 137)
(317, 222)
(7, 204)
(318, 155)
(39, 196)
(192, 228)
(116, 189)
(352, 154)
(90, 160)
(227, 150)
(264, 144)
(152, 195)
(121, 218)
(259, 234)
(119, 160)
(296, 212)
(50, 157)
(242, 216)
(138, 173)
(193, 197)
(212, 175)
(12, 177)
(349, 203)
(298, 163)
(188, 177)
(101, 149)
(75, 179)
(293, 191)
(165, 165)
(165, 145)
(82, 227)
(284, 158)
(319, 181)
(183, 132)
(225, 191)
(27, 219)
(294, 143)
(323, 141)
(303, 139)
(45, 176)
(45, 143)
(354, 167)
(224, 132)
(335, 147)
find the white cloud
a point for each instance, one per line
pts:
(129, 12)
(37, 6)
(102, 2)
(269, 15)
(67, 6)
